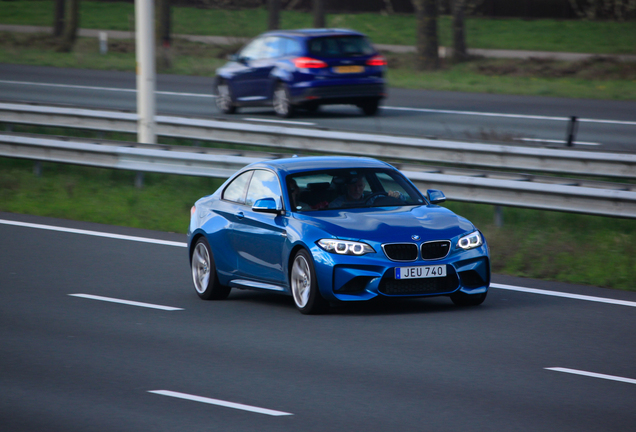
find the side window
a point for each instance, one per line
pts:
(264, 184)
(272, 47)
(235, 191)
(253, 50)
(291, 47)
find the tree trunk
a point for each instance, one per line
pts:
(427, 57)
(273, 22)
(70, 25)
(162, 33)
(459, 31)
(58, 18)
(319, 13)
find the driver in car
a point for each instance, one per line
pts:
(354, 194)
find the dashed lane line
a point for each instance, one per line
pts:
(219, 402)
(126, 302)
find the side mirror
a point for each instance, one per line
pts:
(268, 205)
(435, 196)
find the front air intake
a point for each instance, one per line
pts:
(400, 251)
(435, 249)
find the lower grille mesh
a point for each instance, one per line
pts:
(391, 286)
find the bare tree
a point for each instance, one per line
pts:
(427, 56)
(273, 22)
(58, 18)
(459, 30)
(71, 23)
(319, 13)
(163, 23)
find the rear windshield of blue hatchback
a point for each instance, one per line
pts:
(340, 46)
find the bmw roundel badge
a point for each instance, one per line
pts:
(415, 237)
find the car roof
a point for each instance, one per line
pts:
(311, 163)
(314, 32)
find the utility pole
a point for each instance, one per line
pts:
(145, 44)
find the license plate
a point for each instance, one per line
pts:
(420, 272)
(348, 69)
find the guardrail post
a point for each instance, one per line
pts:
(139, 180)
(37, 168)
(498, 216)
(572, 127)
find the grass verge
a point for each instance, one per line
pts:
(546, 245)
(602, 37)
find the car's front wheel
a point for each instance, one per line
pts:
(204, 276)
(463, 299)
(281, 101)
(304, 285)
(224, 98)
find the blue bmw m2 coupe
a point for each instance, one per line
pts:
(333, 229)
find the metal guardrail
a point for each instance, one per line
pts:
(571, 162)
(218, 163)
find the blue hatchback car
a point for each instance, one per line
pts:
(303, 69)
(329, 229)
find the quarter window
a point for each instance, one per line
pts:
(235, 191)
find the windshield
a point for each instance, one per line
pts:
(340, 46)
(350, 188)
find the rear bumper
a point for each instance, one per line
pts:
(337, 94)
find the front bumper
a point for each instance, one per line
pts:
(351, 278)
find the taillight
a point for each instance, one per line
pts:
(376, 61)
(309, 63)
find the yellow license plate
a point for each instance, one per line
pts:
(348, 69)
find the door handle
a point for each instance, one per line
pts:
(240, 215)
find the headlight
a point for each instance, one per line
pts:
(470, 241)
(343, 247)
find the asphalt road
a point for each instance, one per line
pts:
(71, 363)
(526, 120)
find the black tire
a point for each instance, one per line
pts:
(204, 276)
(370, 107)
(281, 101)
(304, 286)
(462, 299)
(224, 100)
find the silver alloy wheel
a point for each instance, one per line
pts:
(301, 281)
(281, 101)
(223, 99)
(201, 268)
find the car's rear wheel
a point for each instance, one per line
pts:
(305, 287)
(370, 107)
(204, 276)
(463, 299)
(224, 98)
(281, 101)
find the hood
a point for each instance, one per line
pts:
(390, 225)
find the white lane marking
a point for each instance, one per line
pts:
(280, 121)
(456, 112)
(557, 141)
(592, 374)
(126, 302)
(94, 233)
(105, 88)
(220, 403)
(179, 244)
(517, 116)
(562, 294)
